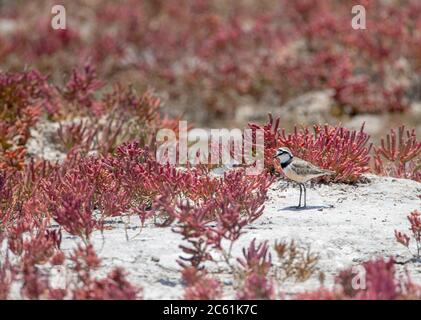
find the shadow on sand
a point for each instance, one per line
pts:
(295, 208)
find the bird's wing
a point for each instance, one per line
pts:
(306, 168)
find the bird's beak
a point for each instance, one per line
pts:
(276, 155)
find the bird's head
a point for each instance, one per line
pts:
(283, 154)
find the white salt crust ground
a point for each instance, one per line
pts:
(360, 226)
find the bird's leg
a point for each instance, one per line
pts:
(305, 195)
(299, 204)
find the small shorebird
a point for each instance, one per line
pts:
(299, 170)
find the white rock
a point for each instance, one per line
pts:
(311, 108)
(374, 124)
(341, 235)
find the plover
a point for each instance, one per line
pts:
(299, 170)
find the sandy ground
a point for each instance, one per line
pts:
(358, 227)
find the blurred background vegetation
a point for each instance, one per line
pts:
(225, 63)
